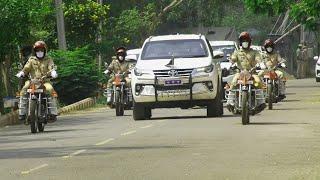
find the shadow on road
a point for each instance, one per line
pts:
(28, 133)
(178, 117)
(291, 100)
(50, 152)
(289, 109)
(303, 87)
(276, 123)
(189, 117)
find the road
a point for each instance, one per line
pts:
(283, 143)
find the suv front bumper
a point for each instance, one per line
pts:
(154, 89)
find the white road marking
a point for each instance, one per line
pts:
(148, 126)
(34, 169)
(128, 133)
(104, 142)
(74, 154)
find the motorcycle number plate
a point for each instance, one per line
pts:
(36, 91)
(172, 82)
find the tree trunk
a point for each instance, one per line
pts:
(1, 89)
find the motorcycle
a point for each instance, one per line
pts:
(38, 105)
(121, 95)
(246, 99)
(272, 83)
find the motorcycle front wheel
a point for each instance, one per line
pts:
(33, 116)
(119, 106)
(245, 109)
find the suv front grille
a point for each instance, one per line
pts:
(173, 73)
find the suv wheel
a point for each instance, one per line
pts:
(318, 79)
(215, 108)
(140, 112)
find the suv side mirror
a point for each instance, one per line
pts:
(218, 54)
(316, 58)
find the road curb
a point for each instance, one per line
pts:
(83, 104)
(13, 118)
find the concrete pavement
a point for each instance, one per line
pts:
(176, 144)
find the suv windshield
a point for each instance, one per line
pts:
(189, 48)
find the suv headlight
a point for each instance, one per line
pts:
(137, 72)
(140, 72)
(207, 69)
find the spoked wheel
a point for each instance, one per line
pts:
(119, 106)
(270, 96)
(33, 117)
(40, 126)
(245, 108)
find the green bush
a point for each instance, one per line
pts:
(78, 75)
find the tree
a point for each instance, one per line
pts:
(17, 21)
(304, 11)
(82, 21)
(78, 74)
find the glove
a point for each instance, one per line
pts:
(54, 74)
(106, 72)
(20, 74)
(262, 66)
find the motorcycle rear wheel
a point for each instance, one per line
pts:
(245, 109)
(270, 96)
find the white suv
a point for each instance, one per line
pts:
(317, 70)
(176, 71)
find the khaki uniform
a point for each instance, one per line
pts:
(118, 67)
(301, 62)
(246, 60)
(36, 70)
(272, 60)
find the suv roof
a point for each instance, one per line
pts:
(176, 37)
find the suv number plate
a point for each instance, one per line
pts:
(172, 82)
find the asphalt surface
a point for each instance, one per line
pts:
(283, 143)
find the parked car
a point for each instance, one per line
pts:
(133, 54)
(258, 48)
(227, 47)
(132, 57)
(176, 71)
(317, 70)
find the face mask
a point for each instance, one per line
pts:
(121, 58)
(269, 49)
(245, 45)
(40, 54)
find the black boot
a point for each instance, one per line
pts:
(22, 117)
(52, 118)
